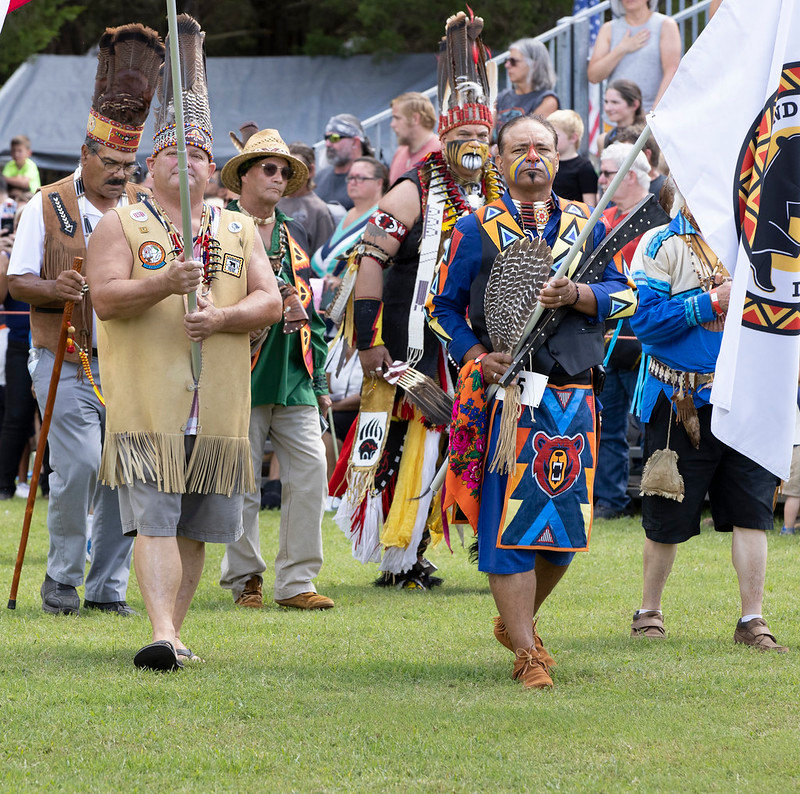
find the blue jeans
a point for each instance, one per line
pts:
(611, 476)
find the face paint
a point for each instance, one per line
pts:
(516, 166)
(469, 155)
(534, 158)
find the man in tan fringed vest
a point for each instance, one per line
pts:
(54, 228)
(177, 446)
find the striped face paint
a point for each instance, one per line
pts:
(547, 165)
(534, 158)
(470, 155)
(517, 165)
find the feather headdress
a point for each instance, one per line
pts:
(128, 67)
(464, 85)
(194, 84)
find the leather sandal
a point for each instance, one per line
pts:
(648, 624)
(756, 634)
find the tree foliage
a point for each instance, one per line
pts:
(30, 29)
(267, 27)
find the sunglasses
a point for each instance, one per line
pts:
(334, 137)
(360, 179)
(513, 61)
(608, 174)
(270, 169)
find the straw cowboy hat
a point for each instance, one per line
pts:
(264, 143)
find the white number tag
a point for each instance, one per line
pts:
(532, 385)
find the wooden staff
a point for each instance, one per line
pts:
(66, 323)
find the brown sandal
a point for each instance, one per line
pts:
(648, 624)
(756, 634)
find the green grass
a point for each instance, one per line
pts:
(404, 691)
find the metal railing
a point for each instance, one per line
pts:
(568, 45)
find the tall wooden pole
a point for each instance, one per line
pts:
(66, 321)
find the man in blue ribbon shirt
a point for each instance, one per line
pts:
(529, 522)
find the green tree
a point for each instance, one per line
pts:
(341, 27)
(268, 27)
(30, 29)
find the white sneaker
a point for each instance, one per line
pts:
(332, 504)
(23, 489)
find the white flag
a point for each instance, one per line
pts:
(729, 127)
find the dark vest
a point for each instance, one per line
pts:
(577, 344)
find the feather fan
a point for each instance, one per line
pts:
(435, 404)
(517, 275)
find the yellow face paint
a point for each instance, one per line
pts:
(534, 158)
(471, 155)
(517, 165)
(548, 167)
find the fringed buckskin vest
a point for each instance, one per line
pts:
(145, 367)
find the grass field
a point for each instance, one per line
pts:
(408, 691)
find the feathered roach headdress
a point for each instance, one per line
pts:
(196, 111)
(128, 67)
(466, 86)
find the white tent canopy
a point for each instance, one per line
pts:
(48, 98)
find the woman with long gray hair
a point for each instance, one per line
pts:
(533, 79)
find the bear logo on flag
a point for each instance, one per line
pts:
(557, 463)
(767, 204)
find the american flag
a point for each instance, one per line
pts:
(595, 20)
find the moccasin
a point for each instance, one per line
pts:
(501, 634)
(306, 601)
(530, 670)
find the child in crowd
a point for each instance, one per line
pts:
(21, 172)
(576, 178)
